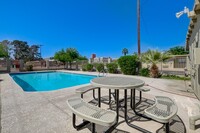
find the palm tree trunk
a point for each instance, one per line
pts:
(154, 71)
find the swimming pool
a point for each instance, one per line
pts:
(47, 81)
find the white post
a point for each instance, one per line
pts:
(47, 64)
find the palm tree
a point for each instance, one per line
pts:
(125, 51)
(164, 56)
(154, 57)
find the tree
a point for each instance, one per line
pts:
(21, 50)
(153, 57)
(178, 50)
(82, 58)
(62, 56)
(125, 51)
(25, 52)
(3, 51)
(164, 56)
(73, 55)
(7, 47)
(34, 52)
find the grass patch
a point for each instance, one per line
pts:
(175, 77)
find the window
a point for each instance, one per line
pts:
(180, 62)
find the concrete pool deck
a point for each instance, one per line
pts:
(47, 112)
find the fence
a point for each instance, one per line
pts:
(3, 65)
(19, 65)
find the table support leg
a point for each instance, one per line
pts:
(109, 98)
(93, 127)
(80, 126)
(99, 97)
(134, 106)
(117, 104)
(126, 118)
(94, 94)
(117, 112)
(131, 98)
(167, 127)
(140, 96)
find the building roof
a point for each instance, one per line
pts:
(193, 15)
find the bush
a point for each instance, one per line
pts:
(128, 64)
(89, 67)
(29, 67)
(144, 72)
(84, 67)
(99, 67)
(112, 67)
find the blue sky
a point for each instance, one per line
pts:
(103, 27)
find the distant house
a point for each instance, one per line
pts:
(95, 59)
(193, 45)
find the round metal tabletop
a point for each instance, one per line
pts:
(117, 82)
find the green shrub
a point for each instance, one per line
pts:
(112, 67)
(29, 68)
(99, 66)
(84, 67)
(144, 72)
(89, 67)
(128, 64)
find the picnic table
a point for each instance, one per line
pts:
(120, 83)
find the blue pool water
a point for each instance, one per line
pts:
(47, 81)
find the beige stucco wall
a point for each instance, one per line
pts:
(166, 66)
(194, 42)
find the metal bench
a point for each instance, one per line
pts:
(162, 111)
(141, 89)
(90, 114)
(85, 89)
(90, 87)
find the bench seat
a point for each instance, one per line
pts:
(91, 113)
(163, 110)
(85, 89)
(193, 119)
(144, 89)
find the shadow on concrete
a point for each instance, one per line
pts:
(176, 126)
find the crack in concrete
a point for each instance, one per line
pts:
(51, 102)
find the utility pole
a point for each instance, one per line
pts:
(138, 31)
(138, 25)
